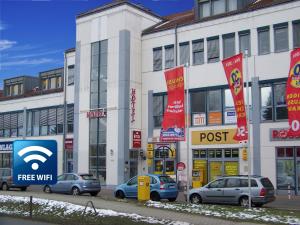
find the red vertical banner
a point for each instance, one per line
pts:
(233, 67)
(173, 124)
(293, 94)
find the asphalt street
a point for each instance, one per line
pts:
(15, 221)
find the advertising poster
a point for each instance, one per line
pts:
(199, 119)
(233, 67)
(173, 124)
(293, 94)
(230, 117)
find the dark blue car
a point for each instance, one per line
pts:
(161, 187)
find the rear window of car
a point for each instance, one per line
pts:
(87, 177)
(166, 179)
(244, 183)
(266, 183)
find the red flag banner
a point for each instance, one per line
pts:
(233, 67)
(173, 124)
(293, 94)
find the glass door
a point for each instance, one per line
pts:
(215, 170)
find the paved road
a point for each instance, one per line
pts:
(14, 221)
(128, 207)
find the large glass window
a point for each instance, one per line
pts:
(213, 52)
(296, 33)
(157, 59)
(228, 45)
(198, 108)
(245, 42)
(280, 102)
(266, 103)
(214, 102)
(218, 7)
(263, 40)
(204, 9)
(159, 105)
(184, 49)
(281, 40)
(285, 168)
(198, 52)
(169, 56)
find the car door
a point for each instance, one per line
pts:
(232, 190)
(58, 186)
(68, 182)
(131, 188)
(214, 191)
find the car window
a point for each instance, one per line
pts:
(266, 183)
(166, 179)
(70, 177)
(132, 181)
(153, 180)
(5, 172)
(244, 183)
(87, 177)
(217, 184)
(61, 177)
(232, 182)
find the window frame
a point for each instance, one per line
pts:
(277, 27)
(260, 31)
(217, 58)
(160, 59)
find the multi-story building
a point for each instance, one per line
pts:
(115, 79)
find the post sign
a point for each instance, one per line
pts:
(136, 139)
(281, 134)
(212, 137)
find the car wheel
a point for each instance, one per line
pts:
(244, 201)
(154, 196)
(195, 199)
(5, 187)
(120, 194)
(172, 199)
(75, 191)
(95, 193)
(47, 189)
(23, 188)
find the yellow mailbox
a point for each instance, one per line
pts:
(143, 188)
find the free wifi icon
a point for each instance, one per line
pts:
(33, 157)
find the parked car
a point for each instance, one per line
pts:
(161, 187)
(6, 180)
(234, 190)
(75, 184)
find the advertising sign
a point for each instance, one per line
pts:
(199, 119)
(215, 118)
(293, 94)
(136, 139)
(101, 113)
(230, 117)
(234, 74)
(6, 146)
(282, 134)
(212, 137)
(69, 144)
(173, 125)
(180, 166)
(35, 162)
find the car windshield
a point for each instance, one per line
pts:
(87, 177)
(266, 183)
(166, 179)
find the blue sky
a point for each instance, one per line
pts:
(35, 33)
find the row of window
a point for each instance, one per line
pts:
(281, 43)
(39, 122)
(51, 83)
(215, 7)
(216, 107)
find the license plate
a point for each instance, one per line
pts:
(171, 186)
(95, 183)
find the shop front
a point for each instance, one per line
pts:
(210, 162)
(6, 154)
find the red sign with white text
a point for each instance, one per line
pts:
(233, 67)
(173, 124)
(293, 94)
(136, 139)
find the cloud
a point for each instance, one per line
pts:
(2, 25)
(35, 54)
(6, 44)
(27, 62)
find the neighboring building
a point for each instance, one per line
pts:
(17, 86)
(115, 78)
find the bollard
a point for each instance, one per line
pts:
(30, 207)
(289, 191)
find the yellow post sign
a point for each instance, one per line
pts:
(212, 137)
(150, 148)
(244, 154)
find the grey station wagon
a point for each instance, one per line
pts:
(234, 190)
(6, 180)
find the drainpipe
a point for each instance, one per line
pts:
(65, 114)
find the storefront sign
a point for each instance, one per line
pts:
(101, 113)
(233, 67)
(136, 139)
(230, 117)
(293, 94)
(281, 134)
(6, 146)
(215, 118)
(69, 144)
(199, 119)
(212, 137)
(132, 104)
(180, 166)
(173, 125)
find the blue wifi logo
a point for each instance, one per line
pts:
(35, 162)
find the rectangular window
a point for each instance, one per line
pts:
(44, 122)
(245, 42)
(213, 52)
(52, 121)
(53, 83)
(296, 34)
(1, 126)
(232, 5)
(184, 49)
(285, 169)
(281, 40)
(29, 123)
(44, 84)
(204, 9)
(70, 118)
(229, 110)
(198, 108)
(20, 124)
(263, 40)
(6, 125)
(60, 120)
(198, 52)
(169, 56)
(266, 103)
(214, 102)
(158, 110)
(157, 59)
(35, 122)
(280, 102)
(13, 124)
(218, 7)
(228, 45)
(71, 74)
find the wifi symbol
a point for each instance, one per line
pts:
(31, 157)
